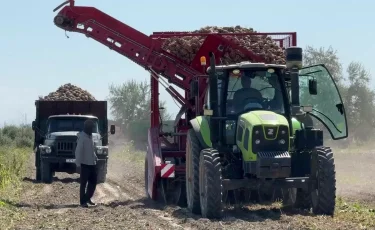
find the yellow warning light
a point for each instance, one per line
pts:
(203, 60)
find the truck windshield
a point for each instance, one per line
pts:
(62, 124)
(254, 89)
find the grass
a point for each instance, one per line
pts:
(129, 153)
(353, 212)
(15, 148)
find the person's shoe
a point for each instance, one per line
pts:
(91, 203)
(85, 205)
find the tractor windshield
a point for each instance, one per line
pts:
(250, 89)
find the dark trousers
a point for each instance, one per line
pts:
(88, 178)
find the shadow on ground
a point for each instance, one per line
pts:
(55, 179)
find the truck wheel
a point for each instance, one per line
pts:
(46, 172)
(38, 175)
(323, 196)
(210, 184)
(193, 149)
(102, 172)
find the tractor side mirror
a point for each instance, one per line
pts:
(113, 129)
(193, 88)
(313, 87)
(33, 125)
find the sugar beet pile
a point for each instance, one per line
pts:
(68, 92)
(186, 47)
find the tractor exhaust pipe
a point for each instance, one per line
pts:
(294, 64)
(214, 121)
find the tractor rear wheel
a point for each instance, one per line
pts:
(193, 149)
(210, 184)
(323, 196)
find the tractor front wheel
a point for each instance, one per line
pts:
(323, 196)
(210, 184)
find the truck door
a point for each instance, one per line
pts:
(327, 104)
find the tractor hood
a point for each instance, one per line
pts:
(268, 118)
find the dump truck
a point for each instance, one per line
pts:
(242, 127)
(56, 126)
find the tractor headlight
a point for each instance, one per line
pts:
(102, 150)
(257, 141)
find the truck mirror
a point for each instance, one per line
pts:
(313, 87)
(113, 129)
(33, 125)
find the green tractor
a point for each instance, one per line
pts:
(258, 134)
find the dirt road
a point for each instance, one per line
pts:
(122, 203)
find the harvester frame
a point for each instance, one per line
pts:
(165, 163)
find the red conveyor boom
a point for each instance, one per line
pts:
(133, 44)
(147, 51)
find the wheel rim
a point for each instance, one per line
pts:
(171, 190)
(293, 195)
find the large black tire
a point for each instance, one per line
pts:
(46, 172)
(146, 177)
(210, 184)
(193, 149)
(323, 198)
(38, 175)
(102, 172)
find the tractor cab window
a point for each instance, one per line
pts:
(253, 89)
(327, 105)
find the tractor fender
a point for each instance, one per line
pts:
(201, 127)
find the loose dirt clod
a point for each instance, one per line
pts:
(69, 92)
(185, 48)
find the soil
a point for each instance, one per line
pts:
(122, 203)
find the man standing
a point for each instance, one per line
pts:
(86, 160)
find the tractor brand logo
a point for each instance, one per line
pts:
(270, 132)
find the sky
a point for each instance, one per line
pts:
(36, 57)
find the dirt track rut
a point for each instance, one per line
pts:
(122, 205)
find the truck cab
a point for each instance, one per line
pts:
(56, 140)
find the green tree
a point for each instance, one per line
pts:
(328, 57)
(131, 106)
(358, 98)
(360, 102)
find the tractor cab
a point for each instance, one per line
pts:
(267, 88)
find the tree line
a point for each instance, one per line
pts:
(130, 101)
